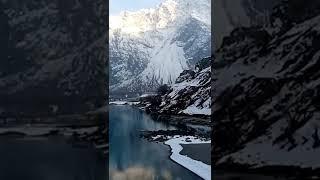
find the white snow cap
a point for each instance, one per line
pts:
(165, 14)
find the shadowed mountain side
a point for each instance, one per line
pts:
(266, 92)
(52, 56)
(189, 95)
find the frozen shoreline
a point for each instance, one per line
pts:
(201, 169)
(43, 129)
(123, 103)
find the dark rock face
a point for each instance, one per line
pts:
(296, 11)
(266, 92)
(186, 74)
(230, 14)
(191, 90)
(53, 56)
(196, 37)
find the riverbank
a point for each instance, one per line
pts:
(94, 135)
(197, 152)
(128, 149)
(183, 127)
(123, 102)
(174, 119)
(201, 169)
(189, 150)
(190, 144)
(76, 128)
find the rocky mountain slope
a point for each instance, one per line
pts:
(151, 47)
(189, 95)
(52, 57)
(230, 14)
(266, 91)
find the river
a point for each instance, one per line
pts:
(129, 152)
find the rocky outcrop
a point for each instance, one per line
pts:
(190, 95)
(53, 56)
(266, 92)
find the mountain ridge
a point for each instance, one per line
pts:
(156, 47)
(266, 91)
(189, 95)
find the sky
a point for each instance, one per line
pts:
(116, 6)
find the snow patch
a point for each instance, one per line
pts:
(124, 102)
(194, 110)
(201, 169)
(40, 130)
(118, 102)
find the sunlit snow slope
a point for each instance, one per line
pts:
(151, 47)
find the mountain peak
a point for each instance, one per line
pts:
(151, 47)
(163, 15)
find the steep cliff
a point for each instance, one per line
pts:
(189, 95)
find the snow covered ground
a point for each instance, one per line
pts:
(123, 103)
(118, 102)
(262, 152)
(196, 88)
(201, 169)
(147, 95)
(192, 110)
(28, 130)
(40, 130)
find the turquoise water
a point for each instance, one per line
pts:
(128, 150)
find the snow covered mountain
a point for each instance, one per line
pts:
(189, 95)
(151, 47)
(266, 91)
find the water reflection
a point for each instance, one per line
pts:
(131, 154)
(141, 173)
(48, 159)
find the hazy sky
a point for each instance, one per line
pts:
(116, 6)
